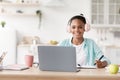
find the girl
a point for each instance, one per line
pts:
(87, 51)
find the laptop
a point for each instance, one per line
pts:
(57, 58)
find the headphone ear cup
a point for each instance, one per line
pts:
(68, 29)
(87, 27)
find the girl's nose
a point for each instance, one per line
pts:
(76, 29)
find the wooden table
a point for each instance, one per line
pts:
(36, 74)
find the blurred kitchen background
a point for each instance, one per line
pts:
(25, 24)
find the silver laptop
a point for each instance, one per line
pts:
(57, 58)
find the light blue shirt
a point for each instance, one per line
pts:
(91, 49)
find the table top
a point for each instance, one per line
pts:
(36, 71)
(83, 73)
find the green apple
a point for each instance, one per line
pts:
(113, 68)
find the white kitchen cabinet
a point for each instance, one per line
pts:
(8, 44)
(105, 13)
(98, 11)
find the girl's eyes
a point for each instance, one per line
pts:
(79, 27)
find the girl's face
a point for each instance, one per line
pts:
(77, 28)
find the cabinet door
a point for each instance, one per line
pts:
(106, 12)
(98, 11)
(114, 11)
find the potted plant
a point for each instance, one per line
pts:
(3, 24)
(39, 13)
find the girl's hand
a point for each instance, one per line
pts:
(101, 64)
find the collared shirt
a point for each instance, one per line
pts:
(92, 50)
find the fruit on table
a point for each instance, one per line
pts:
(53, 42)
(113, 68)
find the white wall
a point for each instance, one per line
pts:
(53, 25)
(54, 20)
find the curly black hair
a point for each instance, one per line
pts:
(80, 17)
